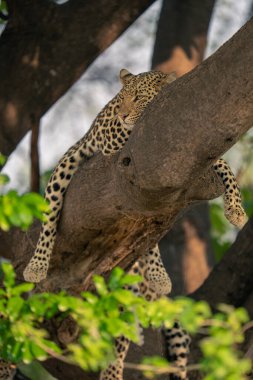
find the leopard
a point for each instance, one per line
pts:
(155, 283)
(108, 134)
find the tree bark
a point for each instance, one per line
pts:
(136, 195)
(45, 48)
(230, 282)
(186, 249)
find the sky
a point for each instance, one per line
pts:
(71, 116)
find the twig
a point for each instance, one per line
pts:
(160, 371)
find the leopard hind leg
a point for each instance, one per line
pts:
(177, 342)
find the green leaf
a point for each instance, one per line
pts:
(4, 179)
(27, 353)
(100, 285)
(22, 288)
(9, 275)
(38, 352)
(14, 306)
(2, 157)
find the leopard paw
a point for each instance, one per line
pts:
(161, 286)
(35, 271)
(236, 216)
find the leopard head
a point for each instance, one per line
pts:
(138, 91)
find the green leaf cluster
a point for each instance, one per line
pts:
(111, 312)
(22, 338)
(221, 360)
(19, 210)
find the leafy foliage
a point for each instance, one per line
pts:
(19, 210)
(99, 319)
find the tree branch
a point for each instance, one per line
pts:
(45, 48)
(233, 275)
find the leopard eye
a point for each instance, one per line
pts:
(137, 97)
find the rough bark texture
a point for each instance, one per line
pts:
(45, 48)
(112, 218)
(186, 249)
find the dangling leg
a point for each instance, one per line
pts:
(155, 273)
(233, 208)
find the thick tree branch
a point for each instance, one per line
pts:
(112, 217)
(230, 282)
(45, 48)
(233, 275)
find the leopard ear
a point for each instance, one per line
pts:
(124, 76)
(170, 77)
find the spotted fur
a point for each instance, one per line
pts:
(233, 208)
(7, 370)
(177, 342)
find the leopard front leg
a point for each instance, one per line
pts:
(233, 208)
